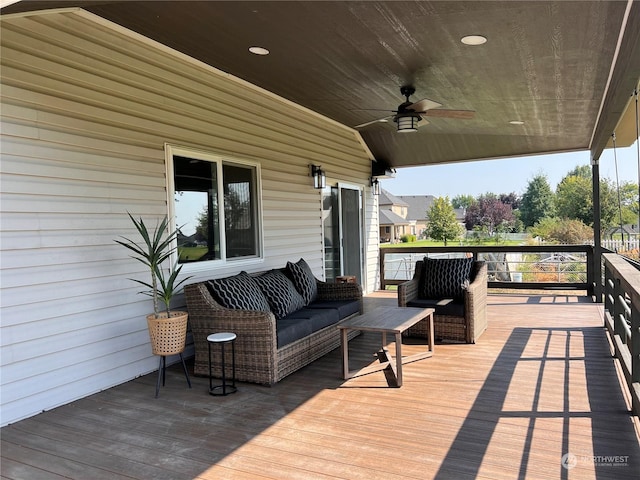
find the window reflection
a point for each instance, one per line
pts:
(196, 198)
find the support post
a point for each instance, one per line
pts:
(597, 241)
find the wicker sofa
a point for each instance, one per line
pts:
(456, 289)
(271, 343)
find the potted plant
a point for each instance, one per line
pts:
(167, 329)
(152, 252)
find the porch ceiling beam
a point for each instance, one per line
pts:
(624, 79)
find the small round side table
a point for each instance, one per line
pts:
(223, 339)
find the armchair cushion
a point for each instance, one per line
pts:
(239, 292)
(445, 277)
(303, 280)
(442, 307)
(282, 296)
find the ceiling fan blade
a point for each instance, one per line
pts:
(373, 110)
(424, 105)
(457, 114)
(379, 120)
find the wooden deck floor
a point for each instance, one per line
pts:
(539, 384)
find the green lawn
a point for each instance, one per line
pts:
(191, 253)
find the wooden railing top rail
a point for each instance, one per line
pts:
(485, 248)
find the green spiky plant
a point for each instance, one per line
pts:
(152, 251)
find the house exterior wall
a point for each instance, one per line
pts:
(400, 210)
(87, 109)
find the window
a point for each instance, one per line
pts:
(215, 208)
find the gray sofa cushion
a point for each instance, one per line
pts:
(282, 296)
(291, 329)
(239, 292)
(445, 277)
(319, 317)
(344, 307)
(303, 280)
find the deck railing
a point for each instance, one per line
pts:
(622, 318)
(520, 267)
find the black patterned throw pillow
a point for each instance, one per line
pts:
(239, 292)
(282, 296)
(445, 277)
(303, 280)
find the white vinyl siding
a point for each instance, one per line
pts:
(87, 108)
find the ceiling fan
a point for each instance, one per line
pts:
(409, 114)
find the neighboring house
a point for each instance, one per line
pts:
(392, 226)
(418, 205)
(412, 212)
(99, 121)
(628, 230)
(393, 220)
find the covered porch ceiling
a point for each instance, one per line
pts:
(567, 69)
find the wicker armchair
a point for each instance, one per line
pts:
(258, 358)
(462, 321)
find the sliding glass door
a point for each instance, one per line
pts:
(342, 222)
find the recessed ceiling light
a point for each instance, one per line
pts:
(516, 122)
(473, 40)
(259, 51)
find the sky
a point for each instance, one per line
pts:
(507, 175)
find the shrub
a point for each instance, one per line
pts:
(408, 238)
(568, 231)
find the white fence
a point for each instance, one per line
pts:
(620, 246)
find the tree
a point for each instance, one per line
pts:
(442, 223)
(510, 199)
(609, 209)
(629, 200)
(489, 212)
(574, 198)
(537, 202)
(462, 201)
(582, 171)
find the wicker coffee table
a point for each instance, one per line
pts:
(392, 320)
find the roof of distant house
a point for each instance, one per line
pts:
(387, 198)
(387, 217)
(419, 205)
(627, 228)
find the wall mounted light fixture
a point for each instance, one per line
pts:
(319, 177)
(375, 185)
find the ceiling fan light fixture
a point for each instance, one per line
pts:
(407, 123)
(474, 40)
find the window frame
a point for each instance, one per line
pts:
(219, 159)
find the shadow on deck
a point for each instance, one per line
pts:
(537, 397)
